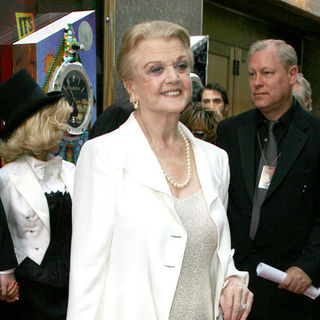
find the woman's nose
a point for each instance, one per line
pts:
(172, 75)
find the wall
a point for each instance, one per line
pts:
(241, 30)
(187, 13)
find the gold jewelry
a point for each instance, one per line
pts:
(135, 102)
(188, 162)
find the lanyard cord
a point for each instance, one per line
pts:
(262, 153)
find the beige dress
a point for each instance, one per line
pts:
(193, 299)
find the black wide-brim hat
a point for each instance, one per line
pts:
(20, 98)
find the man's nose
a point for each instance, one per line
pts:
(258, 81)
(211, 104)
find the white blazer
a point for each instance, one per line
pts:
(27, 209)
(128, 241)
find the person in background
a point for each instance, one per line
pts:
(302, 92)
(274, 208)
(150, 233)
(35, 189)
(197, 86)
(8, 285)
(111, 118)
(200, 121)
(214, 96)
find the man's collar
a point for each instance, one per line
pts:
(285, 119)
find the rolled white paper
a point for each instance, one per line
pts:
(276, 275)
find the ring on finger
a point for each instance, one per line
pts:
(243, 306)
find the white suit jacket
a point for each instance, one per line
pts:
(27, 209)
(128, 241)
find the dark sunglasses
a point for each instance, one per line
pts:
(200, 134)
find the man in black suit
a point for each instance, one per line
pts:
(283, 229)
(8, 259)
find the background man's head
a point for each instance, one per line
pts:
(302, 92)
(214, 96)
(272, 73)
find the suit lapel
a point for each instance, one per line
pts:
(246, 139)
(141, 164)
(292, 147)
(30, 189)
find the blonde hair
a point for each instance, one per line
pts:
(156, 29)
(40, 132)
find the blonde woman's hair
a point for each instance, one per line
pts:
(40, 132)
(156, 29)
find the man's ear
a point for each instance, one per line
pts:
(226, 107)
(293, 71)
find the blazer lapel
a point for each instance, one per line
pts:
(142, 163)
(293, 145)
(28, 186)
(246, 139)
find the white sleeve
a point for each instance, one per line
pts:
(225, 180)
(93, 216)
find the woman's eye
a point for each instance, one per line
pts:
(156, 69)
(182, 65)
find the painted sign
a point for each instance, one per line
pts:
(25, 24)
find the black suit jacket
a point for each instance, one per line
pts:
(289, 230)
(7, 256)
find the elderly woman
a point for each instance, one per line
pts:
(150, 235)
(35, 190)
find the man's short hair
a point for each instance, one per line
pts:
(218, 87)
(286, 52)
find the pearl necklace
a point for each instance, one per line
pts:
(188, 161)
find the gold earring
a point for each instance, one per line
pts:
(135, 102)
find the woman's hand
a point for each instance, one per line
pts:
(235, 300)
(9, 289)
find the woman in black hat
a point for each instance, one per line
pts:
(35, 188)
